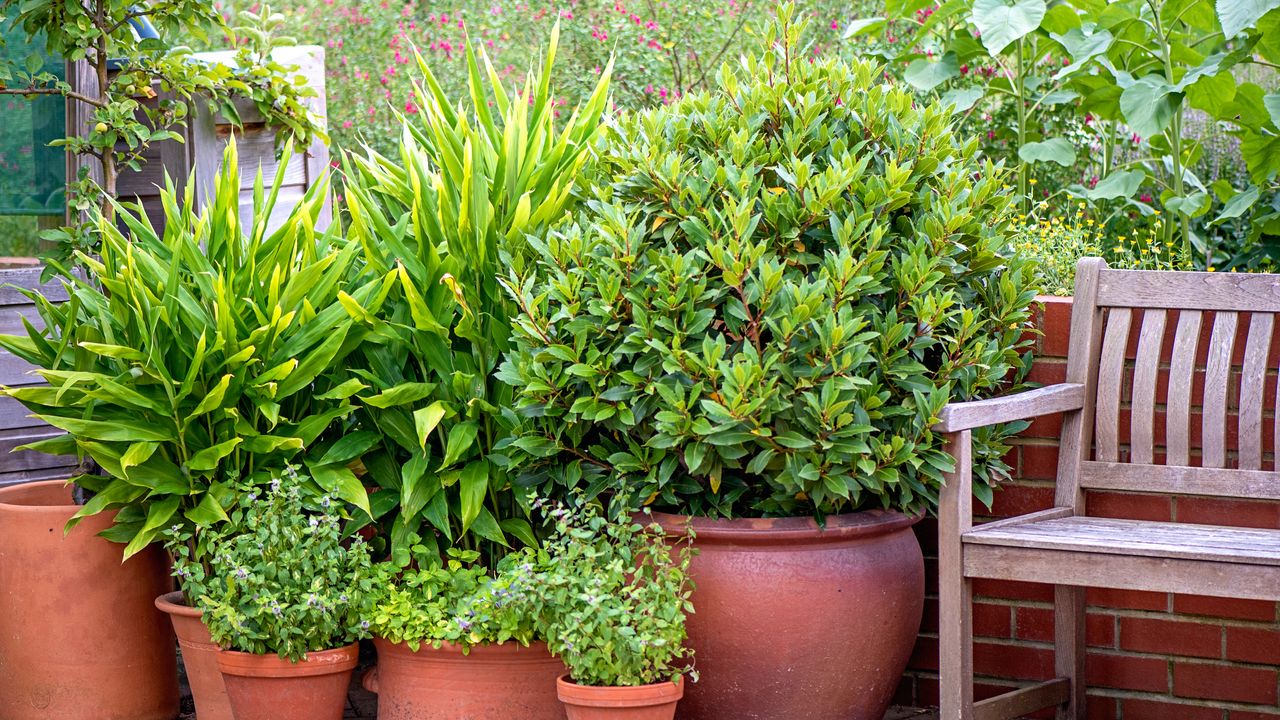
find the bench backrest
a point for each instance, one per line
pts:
(1179, 370)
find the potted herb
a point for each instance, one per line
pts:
(611, 600)
(187, 362)
(781, 283)
(456, 640)
(283, 595)
(441, 221)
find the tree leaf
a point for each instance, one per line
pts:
(1058, 150)
(426, 419)
(208, 458)
(402, 394)
(1237, 15)
(961, 99)
(473, 488)
(349, 447)
(1120, 184)
(461, 437)
(1002, 23)
(1082, 44)
(925, 75)
(1272, 104)
(341, 482)
(1149, 105)
(1238, 205)
(862, 26)
(111, 431)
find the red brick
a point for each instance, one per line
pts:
(1045, 427)
(1218, 681)
(1131, 506)
(1256, 645)
(1054, 323)
(1009, 590)
(925, 654)
(1234, 608)
(1036, 624)
(992, 621)
(1127, 672)
(1039, 462)
(1170, 637)
(1221, 511)
(1127, 599)
(1050, 372)
(1138, 709)
(1100, 630)
(1017, 662)
(1253, 715)
(929, 620)
(1017, 498)
(1101, 708)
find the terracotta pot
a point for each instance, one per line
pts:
(265, 687)
(199, 657)
(79, 638)
(645, 702)
(493, 682)
(794, 622)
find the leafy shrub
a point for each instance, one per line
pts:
(439, 222)
(611, 598)
(188, 362)
(279, 578)
(454, 602)
(780, 285)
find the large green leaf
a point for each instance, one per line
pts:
(1119, 184)
(925, 75)
(1058, 150)
(1238, 15)
(1272, 104)
(342, 483)
(1004, 23)
(113, 430)
(1149, 105)
(1083, 44)
(473, 488)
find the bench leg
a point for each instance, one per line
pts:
(955, 644)
(1069, 647)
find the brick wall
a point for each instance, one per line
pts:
(1151, 656)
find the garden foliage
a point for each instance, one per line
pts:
(779, 286)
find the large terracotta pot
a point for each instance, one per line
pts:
(493, 682)
(79, 637)
(645, 702)
(199, 657)
(795, 622)
(265, 687)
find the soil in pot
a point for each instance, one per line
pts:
(79, 636)
(796, 622)
(644, 702)
(199, 657)
(492, 682)
(265, 687)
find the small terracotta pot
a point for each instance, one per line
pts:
(199, 657)
(493, 682)
(265, 687)
(796, 622)
(644, 702)
(79, 638)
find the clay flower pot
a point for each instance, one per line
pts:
(199, 657)
(79, 638)
(796, 622)
(493, 682)
(265, 687)
(645, 702)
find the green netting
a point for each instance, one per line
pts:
(33, 175)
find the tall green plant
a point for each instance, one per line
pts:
(443, 221)
(184, 363)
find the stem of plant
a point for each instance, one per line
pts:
(1022, 131)
(1174, 136)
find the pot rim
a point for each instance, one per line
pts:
(510, 647)
(37, 508)
(770, 531)
(175, 603)
(660, 693)
(320, 662)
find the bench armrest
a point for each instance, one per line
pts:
(1032, 403)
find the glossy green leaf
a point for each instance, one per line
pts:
(1237, 16)
(1003, 23)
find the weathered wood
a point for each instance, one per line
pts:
(1023, 701)
(1129, 572)
(1145, 373)
(1082, 368)
(13, 281)
(1182, 371)
(1032, 403)
(1180, 480)
(955, 591)
(1236, 292)
(1213, 420)
(1050, 514)
(1253, 378)
(1069, 648)
(1110, 383)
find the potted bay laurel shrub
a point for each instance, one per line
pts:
(440, 222)
(282, 595)
(455, 639)
(190, 361)
(781, 283)
(611, 598)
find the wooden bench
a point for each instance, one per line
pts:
(1111, 406)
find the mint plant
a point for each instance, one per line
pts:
(778, 286)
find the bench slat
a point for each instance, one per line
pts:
(1253, 378)
(1110, 380)
(1213, 420)
(1240, 292)
(1180, 480)
(1182, 370)
(1145, 373)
